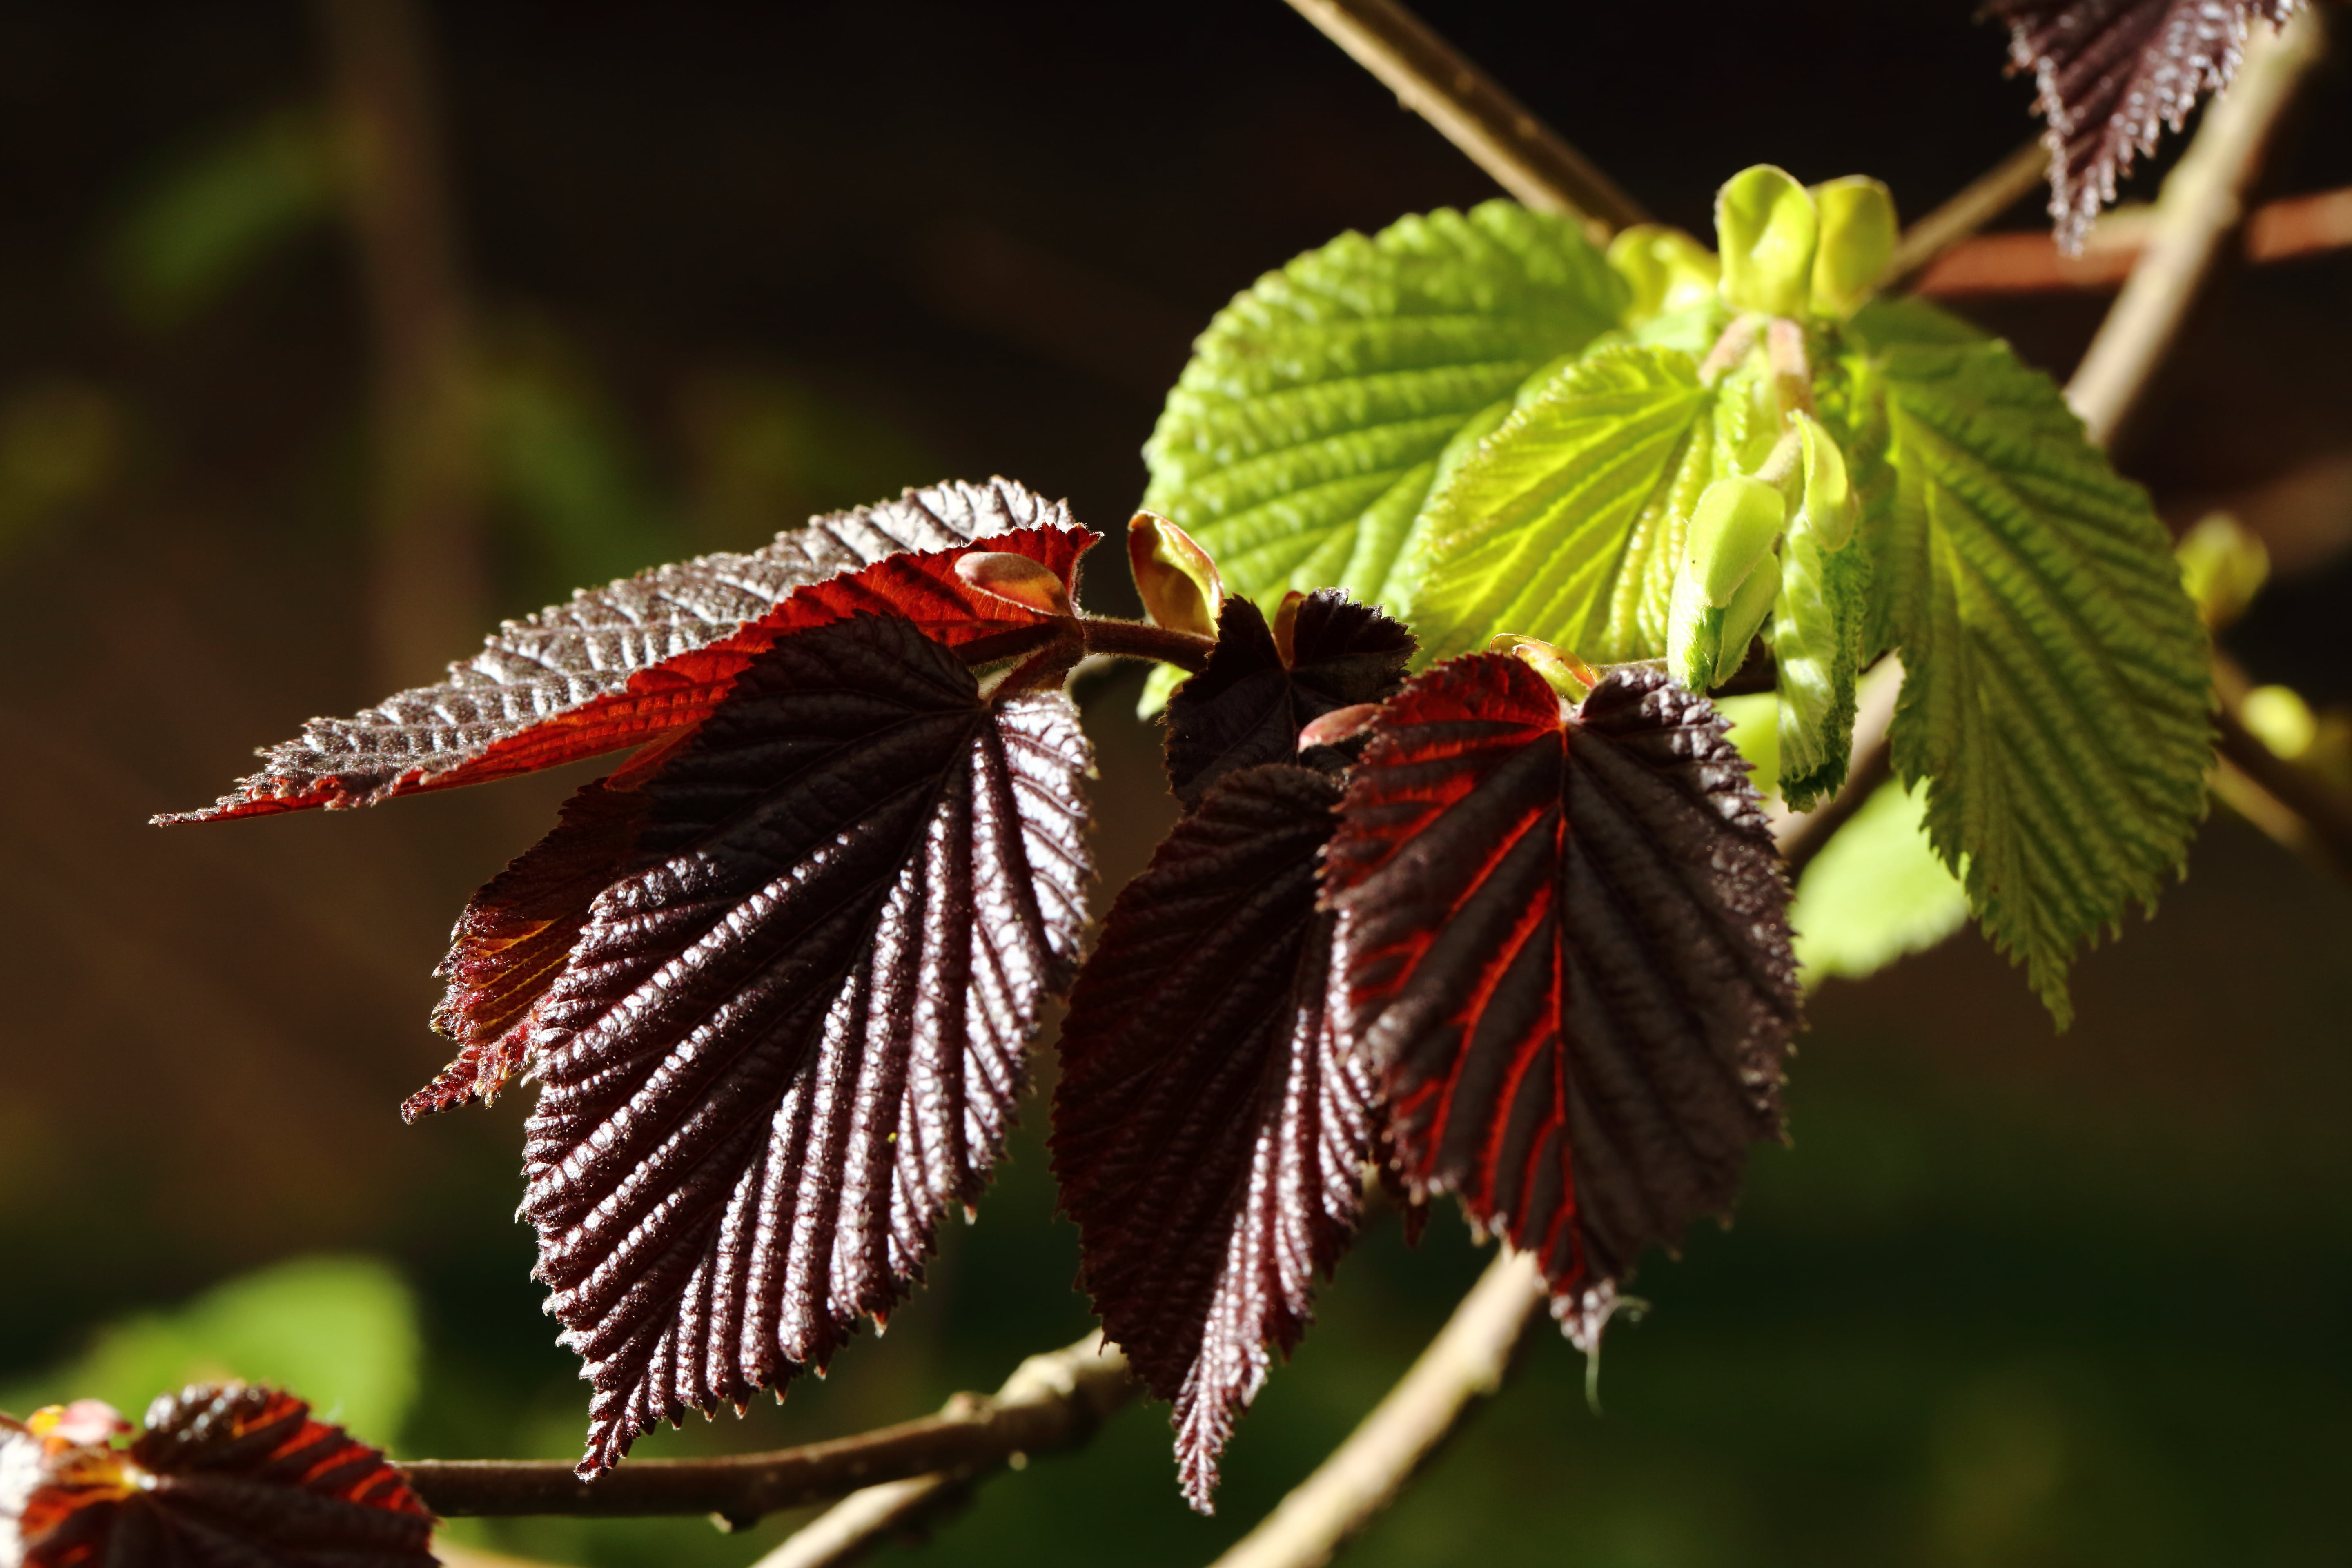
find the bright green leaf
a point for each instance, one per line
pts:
(1817, 626)
(1322, 405)
(2057, 685)
(1876, 892)
(1858, 232)
(1566, 524)
(340, 1331)
(1767, 229)
(1667, 270)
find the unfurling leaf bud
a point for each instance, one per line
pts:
(1022, 580)
(1666, 269)
(1857, 241)
(1732, 528)
(1562, 671)
(1829, 500)
(1767, 228)
(1180, 586)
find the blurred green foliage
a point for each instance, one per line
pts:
(1876, 892)
(213, 216)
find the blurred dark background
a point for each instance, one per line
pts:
(650, 280)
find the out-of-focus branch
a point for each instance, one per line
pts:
(2282, 230)
(1053, 1401)
(2318, 815)
(1471, 109)
(1465, 1365)
(1984, 199)
(427, 598)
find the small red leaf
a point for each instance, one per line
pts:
(1565, 945)
(1208, 1133)
(1178, 582)
(2113, 74)
(655, 653)
(1249, 706)
(795, 1029)
(233, 1475)
(1017, 580)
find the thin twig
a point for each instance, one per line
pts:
(1471, 109)
(2203, 205)
(2284, 230)
(1053, 1401)
(2322, 812)
(1463, 1367)
(1984, 199)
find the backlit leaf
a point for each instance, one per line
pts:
(2112, 74)
(2056, 685)
(1209, 1133)
(1323, 403)
(793, 1030)
(655, 653)
(233, 1475)
(1564, 940)
(1250, 704)
(1567, 522)
(1876, 892)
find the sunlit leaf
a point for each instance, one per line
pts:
(1250, 704)
(793, 1030)
(655, 653)
(1208, 1131)
(230, 1475)
(2112, 74)
(1564, 940)
(1322, 403)
(1876, 891)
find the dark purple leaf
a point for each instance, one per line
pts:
(793, 1030)
(224, 1477)
(1248, 707)
(654, 654)
(1209, 1135)
(1565, 945)
(2112, 74)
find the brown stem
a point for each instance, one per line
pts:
(427, 588)
(2282, 230)
(1141, 639)
(1052, 1401)
(1471, 109)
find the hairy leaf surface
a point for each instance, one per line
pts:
(2056, 690)
(1322, 403)
(1250, 704)
(227, 1474)
(654, 654)
(1209, 1133)
(1564, 940)
(1566, 523)
(793, 1030)
(2112, 74)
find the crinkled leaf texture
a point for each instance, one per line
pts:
(2112, 74)
(1567, 522)
(1321, 405)
(2056, 690)
(792, 1029)
(1564, 940)
(1209, 1132)
(654, 654)
(1249, 705)
(224, 1475)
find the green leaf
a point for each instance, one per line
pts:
(1817, 627)
(1876, 892)
(1322, 405)
(1768, 228)
(1567, 522)
(2057, 685)
(340, 1329)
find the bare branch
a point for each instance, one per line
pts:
(1984, 199)
(1471, 109)
(2282, 230)
(1463, 1367)
(2320, 816)
(1052, 1401)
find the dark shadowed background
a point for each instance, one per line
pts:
(2009, 1298)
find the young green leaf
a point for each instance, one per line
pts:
(2056, 690)
(1817, 626)
(1209, 1132)
(1563, 934)
(1322, 405)
(1876, 892)
(1858, 233)
(1567, 522)
(1767, 228)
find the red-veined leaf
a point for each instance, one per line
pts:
(2112, 74)
(793, 1030)
(1208, 1133)
(1564, 939)
(1249, 705)
(232, 1475)
(655, 653)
